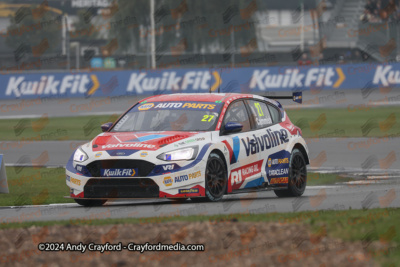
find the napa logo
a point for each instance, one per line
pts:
(146, 106)
(168, 181)
(277, 161)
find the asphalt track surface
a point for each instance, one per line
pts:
(331, 154)
(338, 197)
(54, 107)
(375, 165)
(376, 160)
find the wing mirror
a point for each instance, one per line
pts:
(233, 127)
(106, 126)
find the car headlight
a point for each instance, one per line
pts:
(80, 155)
(187, 153)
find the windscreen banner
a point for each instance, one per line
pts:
(228, 80)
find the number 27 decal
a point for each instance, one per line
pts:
(208, 118)
(259, 109)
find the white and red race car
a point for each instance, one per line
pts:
(197, 146)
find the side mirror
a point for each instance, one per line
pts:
(232, 127)
(106, 126)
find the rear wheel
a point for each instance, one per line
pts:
(297, 176)
(90, 202)
(215, 179)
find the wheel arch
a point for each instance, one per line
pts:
(303, 151)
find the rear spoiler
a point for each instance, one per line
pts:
(296, 96)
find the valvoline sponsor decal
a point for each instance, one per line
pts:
(265, 142)
(137, 141)
(129, 146)
(119, 172)
(277, 167)
(239, 175)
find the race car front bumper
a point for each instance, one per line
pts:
(181, 184)
(121, 188)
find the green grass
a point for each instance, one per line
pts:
(46, 129)
(345, 122)
(47, 185)
(314, 178)
(28, 186)
(379, 225)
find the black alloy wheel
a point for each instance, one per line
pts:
(297, 176)
(215, 179)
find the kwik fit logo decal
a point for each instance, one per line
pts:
(291, 78)
(385, 75)
(49, 85)
(170, 80)
(118, 172)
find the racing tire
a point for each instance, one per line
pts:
(90, 203)
(215, 180)
(297, 176)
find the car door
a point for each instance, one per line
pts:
(244, 162)
(271, 139)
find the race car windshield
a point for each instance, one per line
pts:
(170, 116)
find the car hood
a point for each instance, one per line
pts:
(150, 141)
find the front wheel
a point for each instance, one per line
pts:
(90, 202)
(215, 179)
(297, 176)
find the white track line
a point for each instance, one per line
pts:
(39, 206)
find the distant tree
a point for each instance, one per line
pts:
(34, 30)
(195, 26)
(128, 22)
(83, 27)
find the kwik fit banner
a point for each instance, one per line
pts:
(245, 80)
